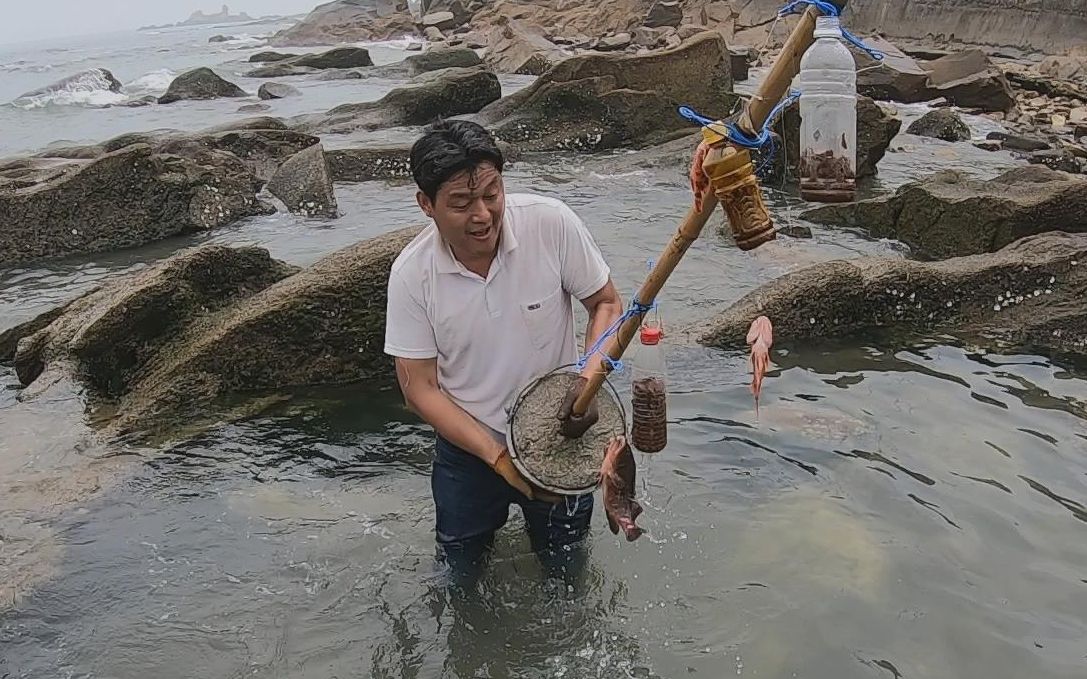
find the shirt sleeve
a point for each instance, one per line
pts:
(408, 332)
(584, 271)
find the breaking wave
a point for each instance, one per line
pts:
(93, 88)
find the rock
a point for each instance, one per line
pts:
(1055, 159)
(515, 49)
(304, 184)
(647, 37)
(90, 80)
(340, 74)
(1050, 88)
(348, 21)
(970, 80)
(254, 108)
(435, 59)
(414, 47)
(795, 231)
(950, 214)
(269, 57)
(123, 199)
(613, 42)
(989, 145)
(1080, 132)
(221, 38)
(1058, 121)
(1064, 67)
(282, 69)
(688, 31)
(940, 124)
(443, 21)
(1018, 142)
(277, 91)
(741, 62)
(662, 13)
(1078, 115)
(601, 101)
(433, 34)
(448, 92)
(1028, 294)
(876, 128)
(897, 77)
(200, 83)
(340, 57)
(9, 339)
(160, 346)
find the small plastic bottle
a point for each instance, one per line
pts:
(649, 394)
(828, 117)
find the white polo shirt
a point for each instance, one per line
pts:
(494, 336)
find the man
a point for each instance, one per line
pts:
(479, 306)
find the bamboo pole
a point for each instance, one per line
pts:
(752, 119)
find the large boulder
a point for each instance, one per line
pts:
(1028, 294)
(90, 80)
(159, 346)
(200, 83)
(435, 58)
(302, 64)
(515, 48)
(123, 199)
(304, 185)
(970, 80)
(270, 57)
(602, 101)
(876, 127)
(347, 21)
(896, 77)
(967, 79)
(950, 213)
(448, 92)
(261, 143)
(942, 124)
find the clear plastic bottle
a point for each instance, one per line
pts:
(649, 393)
(828, 110)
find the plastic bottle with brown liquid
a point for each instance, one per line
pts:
(649, 394)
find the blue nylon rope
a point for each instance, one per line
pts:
(831, 10)
(636, 309)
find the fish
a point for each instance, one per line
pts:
(618, 474)
(760, 337)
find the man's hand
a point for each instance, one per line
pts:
(700, 182)
(503, 466)
(573, 426)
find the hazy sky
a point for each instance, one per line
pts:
(22, 20)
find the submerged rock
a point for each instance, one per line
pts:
(123, 199)
(159, 346)
(304, 185)
(448, 92)
(90, 80)
(277, 91)
(950, 214)
(601, 101)
(200, 83)
(270, 57)
(940, 124)
(1028, 294)
(280, 66)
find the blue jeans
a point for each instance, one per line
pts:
(472, 502)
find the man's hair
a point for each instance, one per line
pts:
(449, 147)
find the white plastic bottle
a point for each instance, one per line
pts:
(828, 110)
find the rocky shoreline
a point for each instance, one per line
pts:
(161, 346)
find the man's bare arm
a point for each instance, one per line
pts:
(419, 383)
(604, 306)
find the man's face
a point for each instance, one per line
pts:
(468, 211)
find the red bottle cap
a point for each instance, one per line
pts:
(650, 334)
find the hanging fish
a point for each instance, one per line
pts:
(760, 337)
(617, 475)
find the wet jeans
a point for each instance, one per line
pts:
(472, 503)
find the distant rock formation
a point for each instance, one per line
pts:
(198, 18)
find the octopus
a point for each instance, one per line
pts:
(760, 337)
(617, 475)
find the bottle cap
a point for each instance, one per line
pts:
(650, 334)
